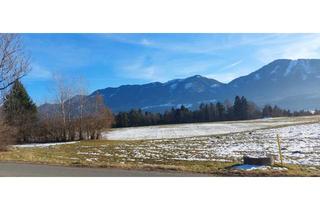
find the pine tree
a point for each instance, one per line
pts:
(267, 111)
(237, 108)
(241, 108)
(20, 111)
(221, 111)
(244, 109)
(122, 119)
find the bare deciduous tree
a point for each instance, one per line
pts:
(14, 64)
(98, 119)
(82, 92)
(64, 93)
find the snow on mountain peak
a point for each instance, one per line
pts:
(292, 64)
(275, 69)
(257, 77)
(173, 86)
(215, 85)
(174, 81)
(303, 64)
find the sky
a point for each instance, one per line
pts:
(111, 60)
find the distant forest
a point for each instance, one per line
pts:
(241, 109)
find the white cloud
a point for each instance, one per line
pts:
(226, 77)
(232, 65)
(162, 68)
(199, 43)
(139, 70)
(38, 73)
(306, 46)
(146, 42)
(248, 51)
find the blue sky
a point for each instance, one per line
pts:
(110, 60)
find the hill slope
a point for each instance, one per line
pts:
(292, 84)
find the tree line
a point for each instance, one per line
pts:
(66, 120)
(241, 109)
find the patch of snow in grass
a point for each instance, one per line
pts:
(43, 144)
(246, 167)
(300, 145)
(91, 159)
(88, 153)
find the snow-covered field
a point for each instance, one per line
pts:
(200, 129)
(300, 145)
(227, 141)
(300, 142)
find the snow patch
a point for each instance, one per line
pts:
(306, 66)
(215, 85)
(172, 81)
(173, 86)
(290, 67)
(246, 167)
(274, 70)
(158, 105)
(257, 77)
(166, 105)
(43, 144)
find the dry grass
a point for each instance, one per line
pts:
(7, 136)
(135, 155)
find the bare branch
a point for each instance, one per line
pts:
(14, 64)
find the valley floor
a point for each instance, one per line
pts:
(211, 154)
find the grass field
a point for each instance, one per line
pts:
(137, 155)
(213, 154)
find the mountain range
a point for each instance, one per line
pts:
(291, 84)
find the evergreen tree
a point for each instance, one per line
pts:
(221, 111)
(240, 110)
(237, 108)
(244, 114)
(20, 111)
(267, 111)
(122, 119)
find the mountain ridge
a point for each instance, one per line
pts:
(282, 82)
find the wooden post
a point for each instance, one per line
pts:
(279, 147)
